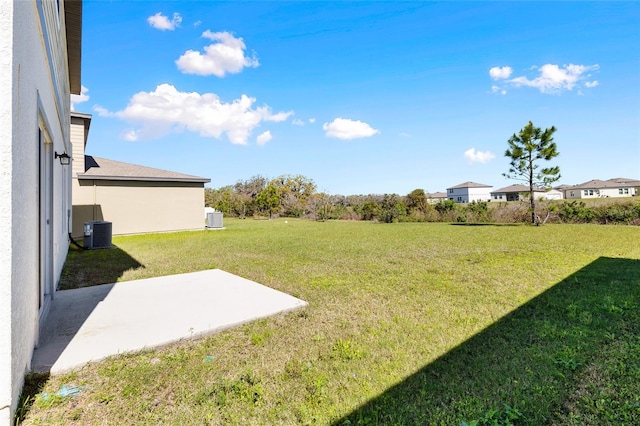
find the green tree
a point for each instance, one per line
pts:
(417, 201)
(368, 210)
(391, 208)
(294, 193)
(320, 205)
(268, 199)
(525, 150)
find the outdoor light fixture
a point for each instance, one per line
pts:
(65, 160)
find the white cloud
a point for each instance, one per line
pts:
(281, 116)
(264, 137)
(102, 112)
(590, 84)
(82, 97)
(496, 89)
(162, 23)
(129, 135)
(312, 120)
(297, 122)
(405, 134)
(224, 56)
(344, 128)
(197, 24)
(478, 156)
(555, 79)
(167, 110)
(500, 73)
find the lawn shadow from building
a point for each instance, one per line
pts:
(80, 291)
(526, 365)
(85, 268)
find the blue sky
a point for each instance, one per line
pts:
(361, 97)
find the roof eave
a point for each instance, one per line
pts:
(73, 24)
(142, 179)
(87, 123)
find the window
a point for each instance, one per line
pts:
(459, 199)
(626, 190)
(451, 191)
(620, 191)
(586, 192)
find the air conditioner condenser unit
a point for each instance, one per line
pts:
(97, 234)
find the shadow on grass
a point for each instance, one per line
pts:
(33, 385)
(84, 268)
(87, 278)
(541, 364)
(486, 224)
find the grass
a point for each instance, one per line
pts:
(406, 324)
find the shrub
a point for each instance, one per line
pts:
(576, 212)
(478, 211)
(618, 213)
(391, 209)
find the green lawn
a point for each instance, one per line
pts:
(407, 324)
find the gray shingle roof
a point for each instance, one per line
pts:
(517, 188)
(104, 169)
(437, 195)
(611, 183)
(470, 185)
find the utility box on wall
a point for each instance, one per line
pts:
(97, 234)
(214, 220)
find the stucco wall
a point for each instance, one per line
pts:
(479, 194)
(136, 207)
(29, 100)
(6, 109)
(468, 195)
(600, 193)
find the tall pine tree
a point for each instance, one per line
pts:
(526, 149)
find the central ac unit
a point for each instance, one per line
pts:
(214, 220)
(97, 234)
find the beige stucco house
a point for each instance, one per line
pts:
(616, 187)
(135, 199)
(40, 49)
(518, 192)
(436, 197)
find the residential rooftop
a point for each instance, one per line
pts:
(103, 169)
(518, 188)
(470, 185)
(610, 183)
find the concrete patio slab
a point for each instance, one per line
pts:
(92, 323)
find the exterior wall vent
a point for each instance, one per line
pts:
(97, 234)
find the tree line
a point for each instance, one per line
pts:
(296, 196)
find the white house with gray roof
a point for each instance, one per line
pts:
(616, 187)
(436, 197)
(469, 192)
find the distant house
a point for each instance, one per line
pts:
(616, 187)
(40, 43)
(135, 199)
(521, 192)
(562, 188)
(436, 197)
(468, 192)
